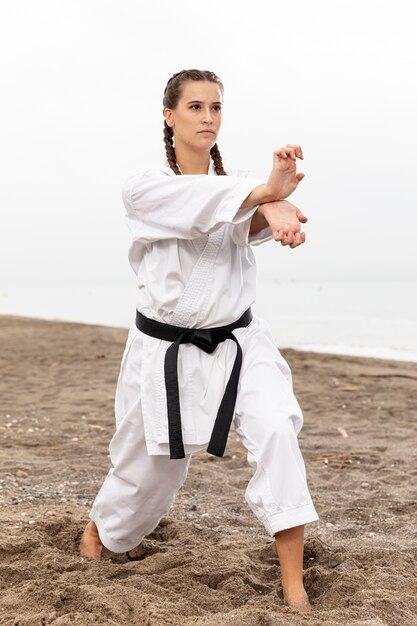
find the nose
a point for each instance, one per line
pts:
(208, 115)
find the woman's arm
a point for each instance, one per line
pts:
(185, 207)
(259, 195)
(257, 223)
(283, 179)
(159, 206)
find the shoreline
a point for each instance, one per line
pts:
(366, 352)
(371, 318)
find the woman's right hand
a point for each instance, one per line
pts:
(284, 179)
(285, 221)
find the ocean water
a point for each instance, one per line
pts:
(375, 319)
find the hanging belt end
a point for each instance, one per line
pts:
(215, 451)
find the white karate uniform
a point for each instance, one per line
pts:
(191, 254)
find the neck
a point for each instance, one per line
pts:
(191, 162)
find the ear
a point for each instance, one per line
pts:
(168, 114)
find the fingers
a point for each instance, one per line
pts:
(285, 238)
(279, 236)
(297, 150)
(299, 238)
(290, 239)
(282, 237)
(290, 150)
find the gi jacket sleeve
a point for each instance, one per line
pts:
(160, 206)
(240, 232)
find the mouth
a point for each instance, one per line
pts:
(210, 132)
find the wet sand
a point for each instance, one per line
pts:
(210, 561)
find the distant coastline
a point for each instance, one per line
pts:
(368, 319)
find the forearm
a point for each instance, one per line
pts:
(258, 222)
(258, 195)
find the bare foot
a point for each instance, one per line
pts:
(298, 600)
(90, 544)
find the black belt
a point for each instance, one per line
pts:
(207, 339)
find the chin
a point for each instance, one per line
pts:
(211, 141)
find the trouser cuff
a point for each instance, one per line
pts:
(291, 517)
(106, 540)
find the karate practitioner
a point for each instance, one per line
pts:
(181, 383)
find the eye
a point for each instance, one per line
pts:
(218, 107)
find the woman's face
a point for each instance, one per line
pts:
(198, 109)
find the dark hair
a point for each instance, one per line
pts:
(172, 94)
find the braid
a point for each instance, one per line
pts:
(217, 159)
(169, 149)
(172, 94)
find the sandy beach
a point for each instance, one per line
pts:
(210, 561)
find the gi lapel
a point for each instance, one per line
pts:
(197, 291)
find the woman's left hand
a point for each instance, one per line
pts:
(285, 221)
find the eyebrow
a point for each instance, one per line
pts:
(200, 102)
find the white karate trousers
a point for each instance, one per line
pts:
(140, 488)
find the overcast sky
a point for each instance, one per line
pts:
(81, 107)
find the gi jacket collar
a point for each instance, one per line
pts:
(168, 170)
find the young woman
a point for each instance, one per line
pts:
(196, 356)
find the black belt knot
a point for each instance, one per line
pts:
(206, 339)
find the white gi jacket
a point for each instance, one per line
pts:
(194, 265)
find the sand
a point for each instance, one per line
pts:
(210, 561)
